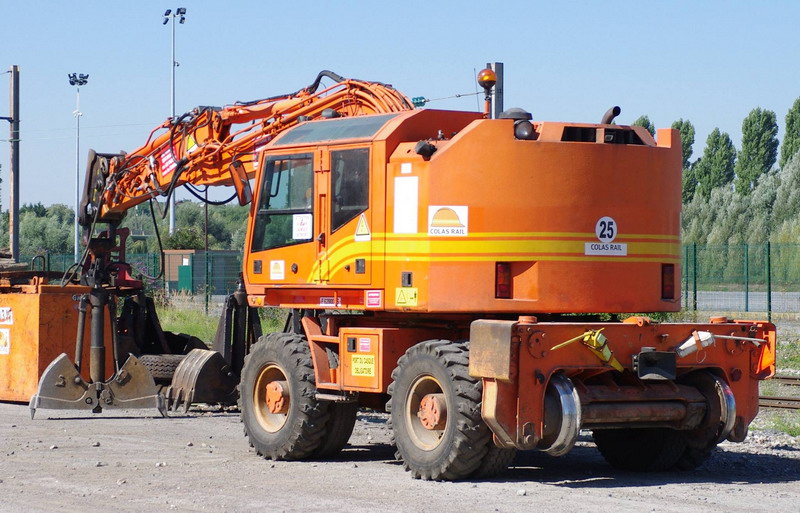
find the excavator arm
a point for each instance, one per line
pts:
(217, 146)
(207, 146)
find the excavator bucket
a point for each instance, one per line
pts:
(61, 387)
(202, 377)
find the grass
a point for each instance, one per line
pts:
(788, 353)
(197, 323)
(788, 358)
(191, 322)
(787, 422)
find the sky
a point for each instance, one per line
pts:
(711, 62)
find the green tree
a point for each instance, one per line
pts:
(759, 219)
(644, 121)
(688, 184)
(689, 180)
(686, 128)
(791, 138)
(759, 148)
(37, 209)
(715, 168)
(44, 233)
(184, 238)
(787, 197)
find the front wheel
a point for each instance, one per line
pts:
(436, 413)
(282, 418)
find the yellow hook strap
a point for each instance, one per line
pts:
(597, 344)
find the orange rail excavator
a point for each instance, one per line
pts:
(467, 274)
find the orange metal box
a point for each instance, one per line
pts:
(37, 323)
(370, 354)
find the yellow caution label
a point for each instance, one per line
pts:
(191, 144)
(405, 296)
(362, 365)
(362, 229)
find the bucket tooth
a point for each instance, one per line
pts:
(62, 388)
(202, 377)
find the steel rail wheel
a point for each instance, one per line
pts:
(282, 418)
(658, 449)
(717, 423)
(436, 415)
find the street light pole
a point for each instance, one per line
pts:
(180, 13)
(13, 119)
(77, 80)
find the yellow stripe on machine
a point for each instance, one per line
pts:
(501, 246)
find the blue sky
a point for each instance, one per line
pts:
(709, 62)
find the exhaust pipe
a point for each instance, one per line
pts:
(610, 114)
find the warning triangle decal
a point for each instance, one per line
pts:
(362, 229)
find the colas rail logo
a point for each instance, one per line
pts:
(448, 221)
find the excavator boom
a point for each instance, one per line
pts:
(218, 146)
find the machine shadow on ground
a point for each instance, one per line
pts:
(585, 468)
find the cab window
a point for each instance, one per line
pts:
(350, 183)
(284, 214)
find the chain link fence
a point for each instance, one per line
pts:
(187, 272)
(763, 278)
(760, 278)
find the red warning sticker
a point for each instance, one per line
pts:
(374, 298)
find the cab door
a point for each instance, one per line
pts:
(282, 247)
(345, 253)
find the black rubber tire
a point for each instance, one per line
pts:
(495, 463)
(341, 421)
(302, 429)
(464, 442)
(161, 366)
(641, 450)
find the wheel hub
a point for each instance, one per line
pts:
(433, 411)
(426, 412)
(278, 397)
(272, 398)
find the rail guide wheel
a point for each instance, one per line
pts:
(659, 449)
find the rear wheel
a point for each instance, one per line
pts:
(495, 463)
(658, 449)
(641, 450)
(282, 418)
(436, 414)
(341, 420)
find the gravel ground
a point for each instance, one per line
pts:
(132, 461)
